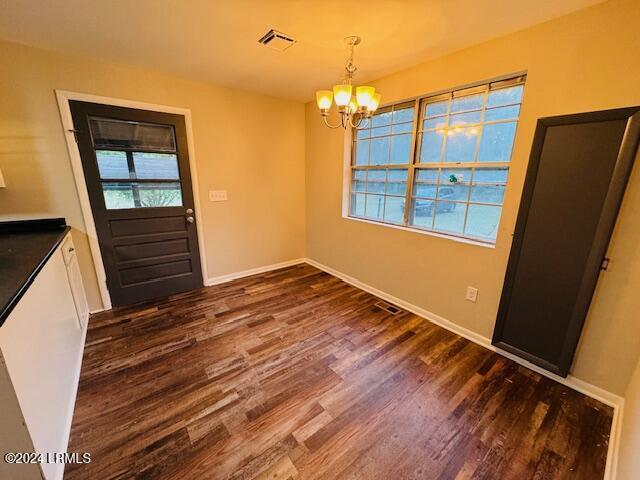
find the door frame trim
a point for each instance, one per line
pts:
(63, 97)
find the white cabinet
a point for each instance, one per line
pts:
(75, 281)
(42, 342)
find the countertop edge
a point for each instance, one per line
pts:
(6, 311)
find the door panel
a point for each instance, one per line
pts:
(136, 167)
(577, 173)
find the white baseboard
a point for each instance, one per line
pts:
(604, 396)
(253, 271)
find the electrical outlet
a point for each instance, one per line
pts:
(472, 294)
(217, 195)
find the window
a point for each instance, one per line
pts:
(383, 150)
(137, 163)
(443, 169)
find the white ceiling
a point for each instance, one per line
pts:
(216, 40)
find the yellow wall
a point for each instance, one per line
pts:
(581, 62)
(248, 144)
(629, 456)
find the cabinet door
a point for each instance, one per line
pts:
(77, 290)
(75, 280)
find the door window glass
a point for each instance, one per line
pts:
(137, 163)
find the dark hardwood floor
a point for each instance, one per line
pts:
(295, 374)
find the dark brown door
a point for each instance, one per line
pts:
(577, 174)
(136, 166)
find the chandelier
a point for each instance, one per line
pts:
(353, 110)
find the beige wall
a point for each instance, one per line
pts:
(584, 61)
(629, 456)
(248, 144)
(581, 62)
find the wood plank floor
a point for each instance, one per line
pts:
(294, 374)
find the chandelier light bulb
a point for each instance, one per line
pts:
(342, 94)
(374, 102)
(324, 99)
(364, 95)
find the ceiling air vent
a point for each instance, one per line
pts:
(277, 40)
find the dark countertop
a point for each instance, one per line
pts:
(25, 246)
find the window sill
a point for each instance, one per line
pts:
(467, 241)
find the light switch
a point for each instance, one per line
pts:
(217, 195)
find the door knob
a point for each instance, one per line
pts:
(190, 219)
(189, 211)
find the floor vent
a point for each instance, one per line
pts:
(387, 307)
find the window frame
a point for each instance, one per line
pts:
(419, 106)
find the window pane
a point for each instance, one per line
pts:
(160, 194)
(502, 113)
(403, 128)
(362, 152)
(449, 216)
(380, 131)
(365, 123)
(497, 142)
(156, 165)
(438, 108)
(397, 182)
(381, 119)
(425, 190)
(426, 183)
(505, 96)
(358, 183)
(376, 181)
(374, 207)
(438, 122)
(118, 195)
(112, 164)
(461, 145)
(422, 213)
(363, 133)
(489, 185)
(360, 174)
(454, 184)
(431, 150)
(107, 132)
(430, 175)
(463, 118)
(403, 115)
(490, 175)
(487, 193)
(483, 221)
(380, 151)
(470, 102)
(400, 149)
(357, 204)
(394, 209)
(455, 176)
